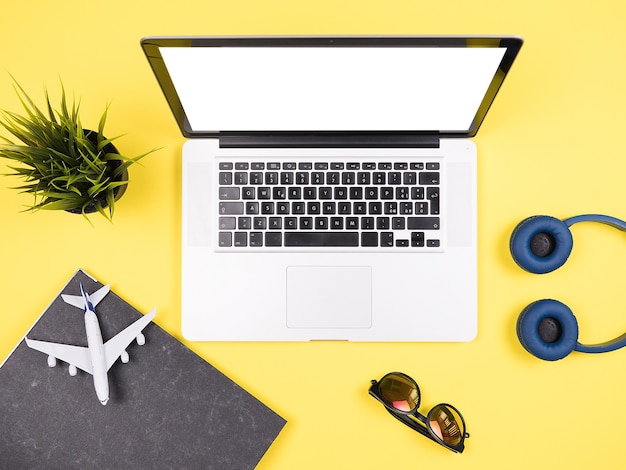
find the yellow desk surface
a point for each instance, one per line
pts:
(551, 144)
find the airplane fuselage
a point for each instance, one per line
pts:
(98, 360)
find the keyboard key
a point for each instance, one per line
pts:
(256, 239)
(279, 192)
(429, 177)
(275, 223)
(317, 178)
(310, 192)
(432, 243)
(226, 166)
(386, 239)
(325, 193)
(225, 239)
(271, 177)
(298, 208)
(336, 223)
(348, 178)
(432, 166)
(367, 223)
(394, 177)
(417, 239)
(313, 208)
(321, 239)
(252, 208)
(241, 239)
(241, 178)
(248, 193)
(356, 192)
(344, 208)
(398, 223)
(332, 177)
(376, 208)
(225, 178)
(282, 208)
(230, 208)
(432, 194)
(227, 223)
(273, 239)
(409, 178)
(417, 192)
(321, 223)
(423, 223)
(241, 166)
(228, 193)
(382, 223)
(369, 239)
(267, 208)
(294, 192)
(302, 178)
(421, 208)
(363, 178)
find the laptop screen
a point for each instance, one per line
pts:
(412, 84)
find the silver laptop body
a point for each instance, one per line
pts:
(329, 184)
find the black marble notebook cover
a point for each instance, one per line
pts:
(168, 408)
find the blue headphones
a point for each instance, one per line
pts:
(547, 328)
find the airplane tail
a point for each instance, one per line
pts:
(78, 301)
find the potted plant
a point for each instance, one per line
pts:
(65, 166)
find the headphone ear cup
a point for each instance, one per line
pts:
(548, 329)
(541, 244)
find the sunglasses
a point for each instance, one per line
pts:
(401, 397)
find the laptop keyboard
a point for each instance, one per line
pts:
(351, 204)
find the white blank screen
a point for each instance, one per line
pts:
(331, 88)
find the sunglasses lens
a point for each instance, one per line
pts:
(399, 392)
(447, 424)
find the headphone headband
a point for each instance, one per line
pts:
(603, 219)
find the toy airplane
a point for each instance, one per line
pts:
(98, 357)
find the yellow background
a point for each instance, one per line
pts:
(551, 144)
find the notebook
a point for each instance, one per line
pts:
(168, 407)
(329, 183)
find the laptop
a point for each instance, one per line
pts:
(329, 183)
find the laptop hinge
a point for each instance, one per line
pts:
(328, 140)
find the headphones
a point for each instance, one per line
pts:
(547, 328)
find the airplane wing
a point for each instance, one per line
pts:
(79, 302)
(114, 347)
(75, 355)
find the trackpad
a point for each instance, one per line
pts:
(329, 296)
